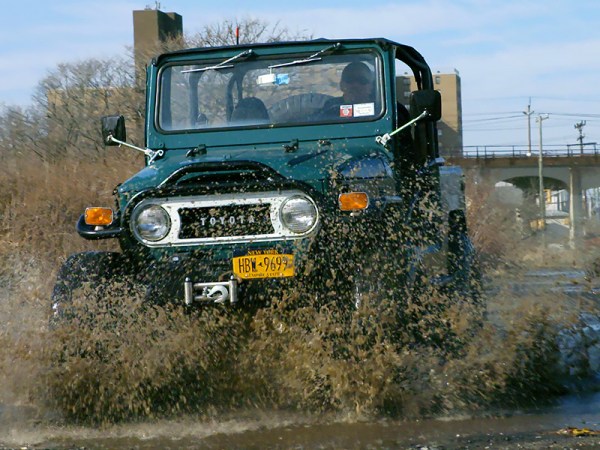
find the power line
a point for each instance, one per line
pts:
(597, 116)
(489, 113)
(489, 119)
(569, 99)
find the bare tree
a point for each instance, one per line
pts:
(75, 95)
(69, 101)
(21, 131)
(251, 30)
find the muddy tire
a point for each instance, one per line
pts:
(463, 264)
(467, 278)
(84, 280)
(370, 284)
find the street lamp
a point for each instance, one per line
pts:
(539, 119)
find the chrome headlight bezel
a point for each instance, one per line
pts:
(299, 214)
(150, 222)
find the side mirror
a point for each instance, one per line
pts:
(113, 126)
(428, 100)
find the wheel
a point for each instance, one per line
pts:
(463, 266)
(467, 273)
(370, 284)
(84, 280)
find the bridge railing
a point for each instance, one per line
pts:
(522, 151)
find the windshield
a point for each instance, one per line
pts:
(271, 92)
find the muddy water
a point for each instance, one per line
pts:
(24, 426)
(536, 428)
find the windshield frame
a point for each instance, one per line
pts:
(258, 59)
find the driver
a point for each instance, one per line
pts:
(357, 86)
(357, 83)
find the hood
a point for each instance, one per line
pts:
(309, 162)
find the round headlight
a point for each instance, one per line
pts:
(151, 222)
(299, 214)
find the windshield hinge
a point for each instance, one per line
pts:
(291, 147)
(199, 150)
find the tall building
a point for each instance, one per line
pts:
(151, 29)
(450, 127)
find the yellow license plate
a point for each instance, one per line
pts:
(264, 265)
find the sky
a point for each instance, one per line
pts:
(509, 53)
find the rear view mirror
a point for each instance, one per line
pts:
(428, 100)
(274, 79)
(113, 126)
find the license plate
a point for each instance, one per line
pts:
(264, 265)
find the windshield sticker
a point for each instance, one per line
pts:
(345, 110)
(282, 78)
(364, 109)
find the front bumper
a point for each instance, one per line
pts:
(209, 276)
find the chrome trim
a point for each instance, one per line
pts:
(134, 222)
(272, 198)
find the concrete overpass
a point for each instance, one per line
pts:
(574, 168)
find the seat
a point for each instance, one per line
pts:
(250, 110)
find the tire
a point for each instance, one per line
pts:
(84, 280)
(369, 284)
(467, 279)
(463, 265)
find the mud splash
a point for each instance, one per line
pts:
(126, 376)
(124, 362)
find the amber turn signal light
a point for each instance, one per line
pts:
(353, 201)
(98, 216)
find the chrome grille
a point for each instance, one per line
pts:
(224, 219)
(230, 220)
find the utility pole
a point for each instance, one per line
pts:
(528, 113)
(579, 127)
(540, 118)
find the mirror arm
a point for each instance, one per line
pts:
(151, 154)
(383, 140)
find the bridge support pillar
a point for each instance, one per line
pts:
(575, 207)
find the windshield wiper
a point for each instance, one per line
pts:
(222, 65)
(311, 58)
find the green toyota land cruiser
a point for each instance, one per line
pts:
(281, 165)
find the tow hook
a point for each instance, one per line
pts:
(216, 292)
